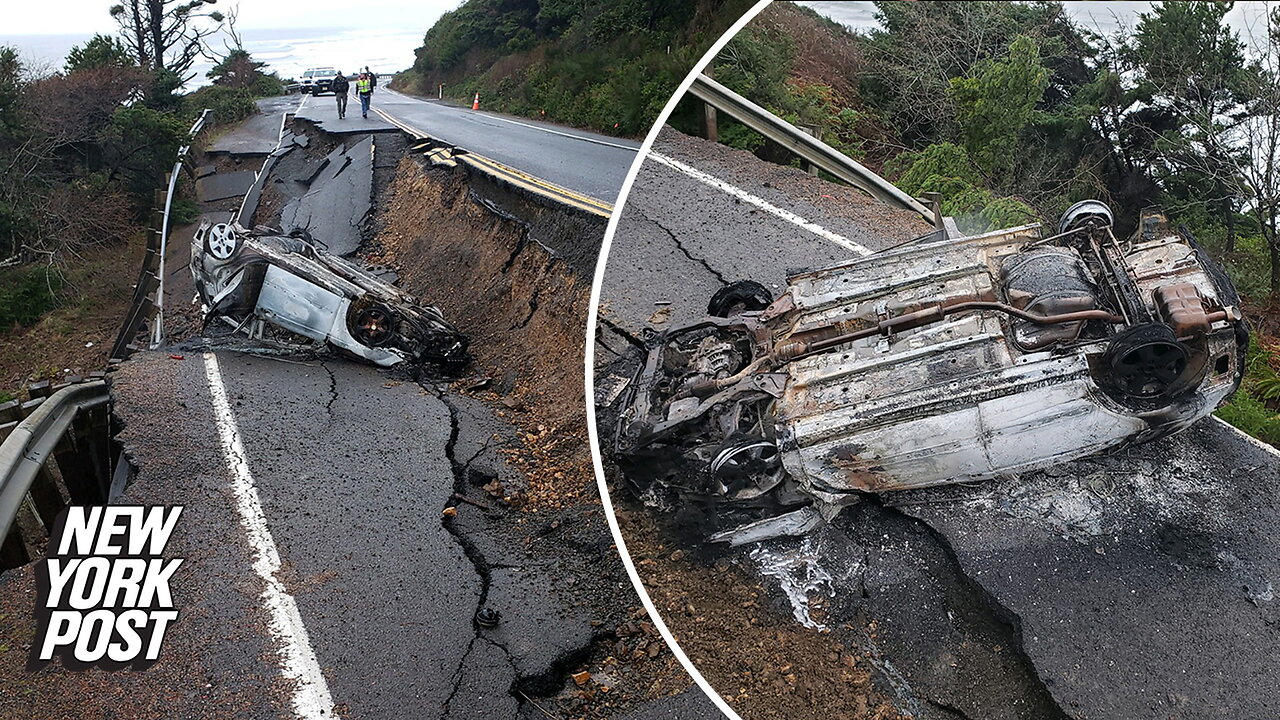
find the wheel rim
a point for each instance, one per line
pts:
(222, 241)
(1149, 369)
(373, 326)
(747, 470)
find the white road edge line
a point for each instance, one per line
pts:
(311, 699)
(1248, 437)
(535, 127)
(761, 203)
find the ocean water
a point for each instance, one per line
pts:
(286, 51)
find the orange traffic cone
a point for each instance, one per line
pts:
(475, 104)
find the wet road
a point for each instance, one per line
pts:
(585, 162)
(382, 637)
(323, 576)
(1136, 585)
(682, 238)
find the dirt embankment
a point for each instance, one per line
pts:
(764, 664)
(521, 305)
(77, 335)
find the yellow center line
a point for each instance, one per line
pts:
(531, 182)
(585, 199)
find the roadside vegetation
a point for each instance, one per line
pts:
(82, 150)
(1014, 111)
(608, 67)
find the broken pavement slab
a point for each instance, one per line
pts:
(221, 186)
(338, 199)
(539, 633)
(1142, 585)
(258, 134)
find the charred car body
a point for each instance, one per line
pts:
(939, 362)
(250, 278)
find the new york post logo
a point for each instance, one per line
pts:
(103, 589)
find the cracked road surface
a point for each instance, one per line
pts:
(586, 162)
(351, 474)
(339, 536)
(351, 468)
(1138, 585)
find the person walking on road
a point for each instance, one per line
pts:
(340, 89)
(364, 88)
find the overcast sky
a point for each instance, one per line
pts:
(1096, 15)
(289, 36)
(86, 17)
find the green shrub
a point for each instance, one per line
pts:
(141, 143)
(229, 105)
(184, 211)
(27, 293)
(1251, 415)
(946, 168)
(1249, 409)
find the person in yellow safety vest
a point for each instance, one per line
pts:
(364, 88)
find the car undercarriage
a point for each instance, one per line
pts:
(942, 361)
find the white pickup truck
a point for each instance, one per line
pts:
(318, 80)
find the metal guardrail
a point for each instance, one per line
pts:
(79, 475)
(809, 148)
(151, 279)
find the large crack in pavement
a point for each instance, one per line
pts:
(943, 647)
(680, 246)
(1004, 628)
(523, 682)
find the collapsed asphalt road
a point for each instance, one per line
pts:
(1136, 586)
(346, 525)
(586, 162)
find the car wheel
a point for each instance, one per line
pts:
(373, 325)
(738, 297)
(221, 242)
(1146, 362)
(746, 468)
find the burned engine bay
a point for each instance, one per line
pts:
(942, 361)
(250, 278)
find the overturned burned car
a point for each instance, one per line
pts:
(248, 279)
(938, 362)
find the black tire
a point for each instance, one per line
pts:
(738, 297)
(373, 325)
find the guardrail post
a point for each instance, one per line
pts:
(934, 201)
(47, 497)
(710, 125)
(40, 389)
(81, 471)
(811, 131)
